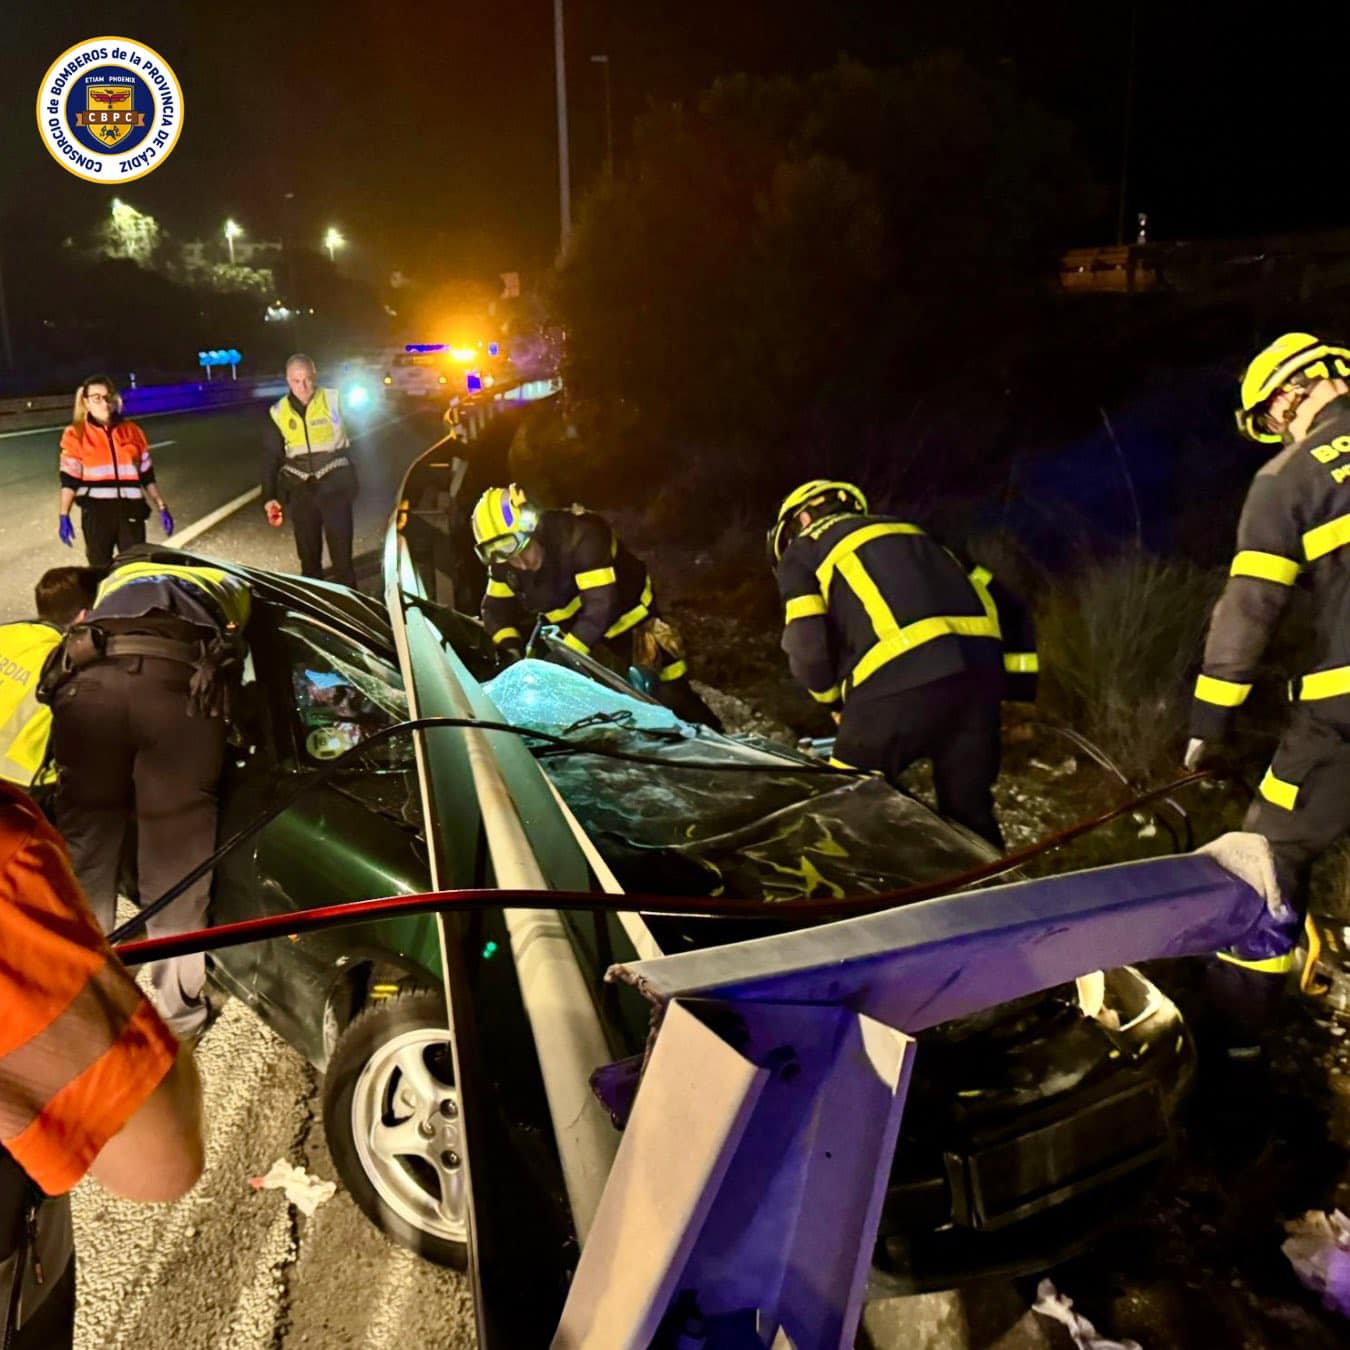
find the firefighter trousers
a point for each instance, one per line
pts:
(127, 750)
(656, 646)
(954, 721)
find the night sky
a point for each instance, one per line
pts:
(425, 131)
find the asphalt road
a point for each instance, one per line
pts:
(228, 1267)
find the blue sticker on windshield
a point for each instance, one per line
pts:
(324, 679)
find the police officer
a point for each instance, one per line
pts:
(570, 567)
(306, 469)
(60, 595)
(140, 696)
(1294, 530)
(909, 650)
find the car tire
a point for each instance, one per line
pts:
(391, 1118)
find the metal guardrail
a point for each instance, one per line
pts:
(54, 410)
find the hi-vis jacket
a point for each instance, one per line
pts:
(311, 443)
(106, 460)
(1294, 529)
(589, 584)
(25, 724)
(207, 596)
(877, 606)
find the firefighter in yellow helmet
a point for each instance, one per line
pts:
(60, 595)
(1294, 530)
(571, 568)
(910, 649)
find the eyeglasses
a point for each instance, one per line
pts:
(98, 398)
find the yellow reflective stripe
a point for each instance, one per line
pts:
(1223, 693)
(850, 544)
(980, 576)
(841, 764)
(566, 612)
(1270, 965)
(576, 644)
(915, 635)
(506, 634)
(1326, 538)
(635, 615)
(830, 695)
(1264, 567)
(1278, 792)
(600, 576)
(1021, 663)
(230, 595)
(806, 607)
(499, 590)
(1325, 683)
(675, 671)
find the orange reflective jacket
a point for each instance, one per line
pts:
(110, 460)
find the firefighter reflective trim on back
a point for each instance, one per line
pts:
(576, 644)
(600, 576)
(506, 634)
(1222, 693)
(566, 612)
(1317, 543)
(1324, 684)
(1264, 567)
(851, 543)
(499, 590)
(1278, 792)
(830, 695)
(1269, 965)
(806, 607)
(230, 596)
(635, 615)
(1021, 663)
(676, 670)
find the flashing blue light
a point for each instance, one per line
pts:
(489, 949)
(494, 348)
(473, 381)
(424, 347)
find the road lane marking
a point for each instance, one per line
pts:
(159, 445)
(213, 518)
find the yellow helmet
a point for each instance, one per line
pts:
(820, 494)
(503, 521)
(1294, 354)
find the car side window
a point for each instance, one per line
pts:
(343, 694)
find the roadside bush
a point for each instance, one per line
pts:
(1120, 641)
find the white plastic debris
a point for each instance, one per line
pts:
(1051, 1303)
(1318, 1247)
(304, 1191)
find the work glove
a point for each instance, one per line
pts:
(508, 654)
(165, 521)
(275, 515)
(1197, 751)
(66, 530)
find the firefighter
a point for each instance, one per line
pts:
(60, 596)
(106, 468)
(140, 695)
(571, 568)
(1294, 530)
(910, 651)
(306, 469)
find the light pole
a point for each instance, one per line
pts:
(333, 241)
(232, 232)
(603, 60)
(564, 168)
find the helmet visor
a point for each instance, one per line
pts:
(500, 547)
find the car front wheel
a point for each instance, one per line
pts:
(391, 1117)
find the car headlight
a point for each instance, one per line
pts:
(358, 396)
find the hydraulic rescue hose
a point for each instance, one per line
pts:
(696, 907)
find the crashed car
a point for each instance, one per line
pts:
(1040, 1117)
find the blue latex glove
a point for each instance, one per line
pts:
(166, 522)
(67, 532)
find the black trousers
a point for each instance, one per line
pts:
(126, 749)
(110, 525)
(52, 1327)
(317, 515)
(955, 722)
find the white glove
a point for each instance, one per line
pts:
(1195, 752)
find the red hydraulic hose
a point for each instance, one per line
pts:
(695, 907)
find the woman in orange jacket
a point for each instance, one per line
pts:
(106, 467)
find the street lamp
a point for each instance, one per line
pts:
(564, 169)
(232, 232)
(603, 60)
(333, 241)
